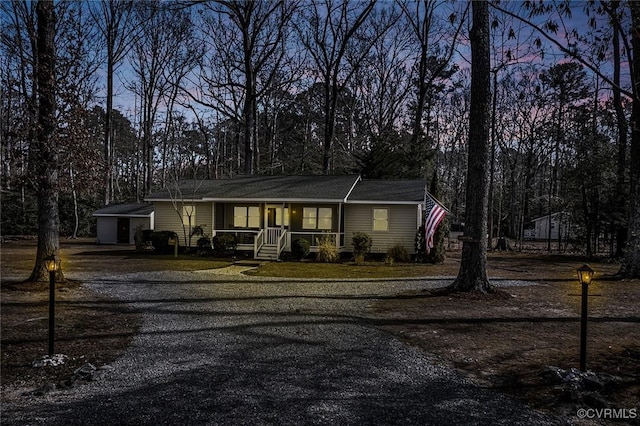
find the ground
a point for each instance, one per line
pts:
(503, 342)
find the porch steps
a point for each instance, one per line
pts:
(268, 253)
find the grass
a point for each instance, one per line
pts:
(370, 270)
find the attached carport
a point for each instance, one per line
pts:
(117, 223)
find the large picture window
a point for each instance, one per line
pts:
(317, 218)
(380, 219)
(246, 217)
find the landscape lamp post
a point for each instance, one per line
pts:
(585, 274)
(52, 267)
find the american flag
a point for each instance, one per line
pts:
(433, 215)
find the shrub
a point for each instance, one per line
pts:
(204, 246)
(361, 245)
(398, 253)
(300, 249)
(138, 237)
(159, 240)
(327, 250)
(224, 244)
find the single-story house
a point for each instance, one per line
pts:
(539, 229)
(266, 214)
(117, 223)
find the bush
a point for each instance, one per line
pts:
(327, 250)
(361, 245)
(224, 244)
(138, 237)
(204, 246)
(300, 249)
(159, 240)
(398, 253)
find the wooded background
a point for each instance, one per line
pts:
(153, 92)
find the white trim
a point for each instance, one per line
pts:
(270, 200)
(123, 215)
(352, 188)
(383, 202)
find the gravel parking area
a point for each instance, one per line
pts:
(217, 347)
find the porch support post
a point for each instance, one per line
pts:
(213, 220)
(339, 226)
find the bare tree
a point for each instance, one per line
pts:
(112, 18)
(19, 105)
(432, 63)
(572, 49)
(161, 57)
(248, 40)
(336, 39)
(76, 68)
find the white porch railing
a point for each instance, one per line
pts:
(282, 241)
(258, 242)
(273, 235)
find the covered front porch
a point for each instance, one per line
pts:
(268, 229)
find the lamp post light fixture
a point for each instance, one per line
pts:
(52, 266)
(585, 275)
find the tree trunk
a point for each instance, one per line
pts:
(473, 267)
(108, 144)
(74, 194)
(621, 119)
(631, 264)
(46, 153)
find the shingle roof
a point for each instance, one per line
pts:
(281, 188)
(389, 191)
(295, 188)
(125, 209)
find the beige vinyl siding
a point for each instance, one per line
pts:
(402, 226)
(166, 218)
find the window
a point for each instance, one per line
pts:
(324, 218)
(317, 218)
(189, 215)
(246, 217)
(309, 218)
(380, 219)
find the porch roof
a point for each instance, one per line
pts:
(126, 210)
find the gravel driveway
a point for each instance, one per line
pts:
(220, 348)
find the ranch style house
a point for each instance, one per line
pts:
(267, 213)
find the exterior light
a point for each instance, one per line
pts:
(50, 263)
(585, 274)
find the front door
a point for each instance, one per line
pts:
(276, 221)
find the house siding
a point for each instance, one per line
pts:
(166, 218)
(138, 222)
(402, 226)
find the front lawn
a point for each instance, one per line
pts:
(349, 270)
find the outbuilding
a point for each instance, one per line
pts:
(117, 223)
(554, 226)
